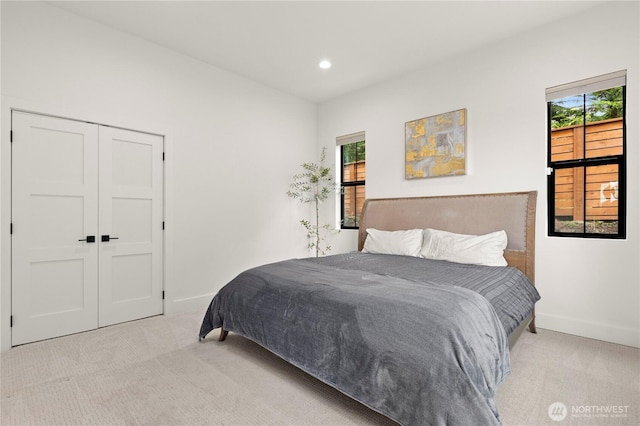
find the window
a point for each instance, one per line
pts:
(352, 179)
(586, 157)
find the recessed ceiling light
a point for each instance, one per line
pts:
(325, 64)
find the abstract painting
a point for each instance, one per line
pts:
(435, 146)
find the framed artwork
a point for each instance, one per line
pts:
(435, 146)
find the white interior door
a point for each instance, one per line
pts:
(131, 191)
(54, 206)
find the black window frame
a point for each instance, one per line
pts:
(619, 160)
(350, 184)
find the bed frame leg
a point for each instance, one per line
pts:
(532, 325)
(223, 335)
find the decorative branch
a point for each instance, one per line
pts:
(314, 185)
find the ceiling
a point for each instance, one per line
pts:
(280, 43)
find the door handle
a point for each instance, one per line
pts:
(89, 239)
(107, 238)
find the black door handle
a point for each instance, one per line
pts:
(106, 238)
(89, 239)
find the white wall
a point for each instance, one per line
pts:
(589, 287)
(232, 145)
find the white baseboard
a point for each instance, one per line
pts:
(188, 304)
(593, 330)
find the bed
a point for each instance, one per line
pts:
(420, 340)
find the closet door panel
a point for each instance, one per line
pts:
(130, 247)
(54, 205)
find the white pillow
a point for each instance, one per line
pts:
(485, 249)
(405, 243)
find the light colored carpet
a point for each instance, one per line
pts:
(155, 372)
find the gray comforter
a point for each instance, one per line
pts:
(401, 335)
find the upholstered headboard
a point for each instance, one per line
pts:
(513, 212)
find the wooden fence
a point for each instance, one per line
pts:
(599, 201)
(353, 196)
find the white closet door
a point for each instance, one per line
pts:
(54, 205)
(131, 190)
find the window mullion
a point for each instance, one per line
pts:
(584, 201)
(584, 168)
